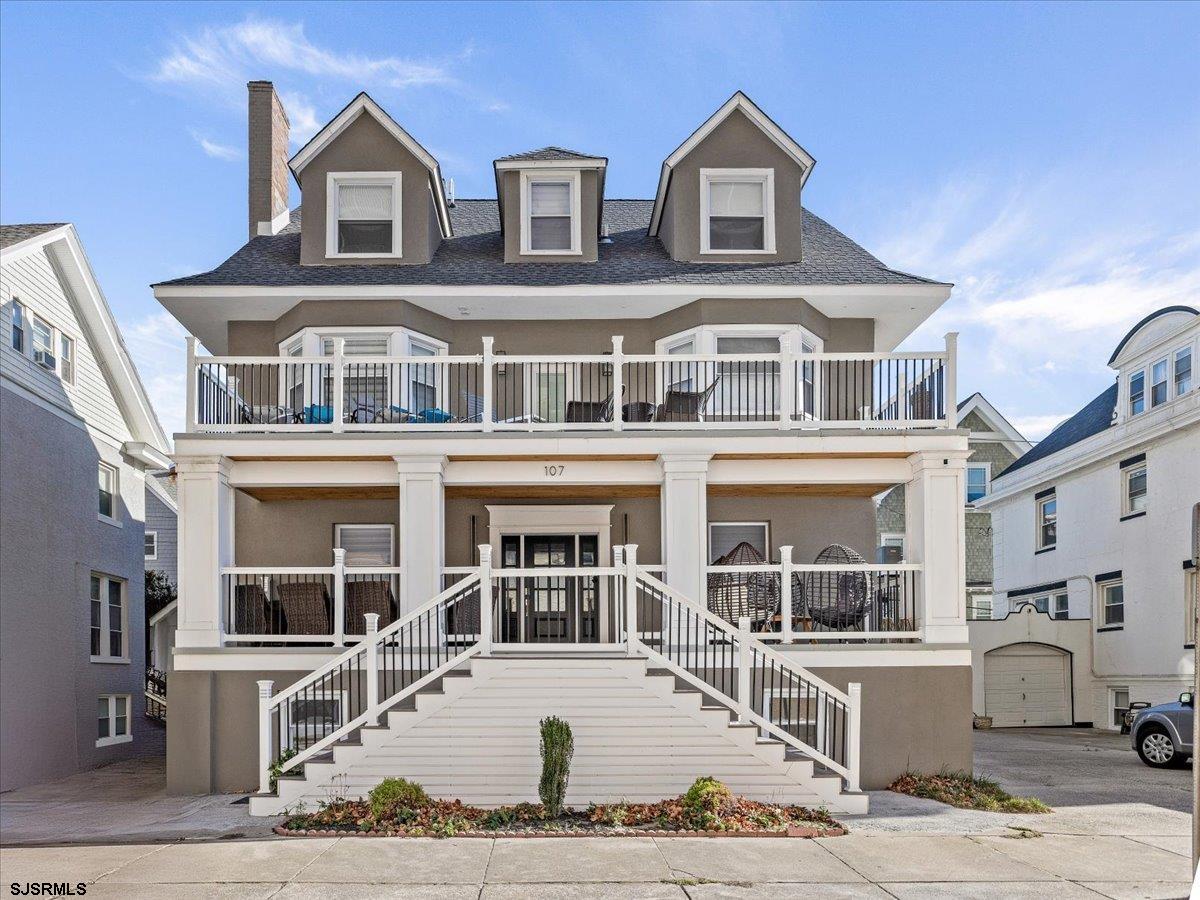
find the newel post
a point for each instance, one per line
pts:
(266, 690)
(744, 706)
(339, 375)
(951, 397)
(489, 386)
(618, 382)
(631, 619)
(486, 616)
(339, 597)
(785, 593)
(618, 596)
(192, 399)
(372, 648)
(854, 750)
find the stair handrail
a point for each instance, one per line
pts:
(744, 639)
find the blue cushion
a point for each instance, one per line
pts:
(434, 416)
(399, 410)
(318, 415)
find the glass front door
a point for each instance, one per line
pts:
(550, 608)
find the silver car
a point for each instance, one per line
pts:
(1162, 735)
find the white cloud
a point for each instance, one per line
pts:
(157, 344)
(302, 116)
(1035, 428)
(215, 150)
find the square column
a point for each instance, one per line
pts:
(684, 507)
(422, 528)
(935, 538)
(206, 521)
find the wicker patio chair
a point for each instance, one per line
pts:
(250, 614)
(684, 406)
(305, 607)
(736, 594)
(462, 618)
(592, 410)
(836, 600)
(371, 595)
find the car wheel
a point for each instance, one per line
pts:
(1155, 748)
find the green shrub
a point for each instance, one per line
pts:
(557, 748)
(277, 767)
(394, 795)
(706, 802)
(966, 791)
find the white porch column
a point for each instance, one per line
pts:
(935, 538)
(422, 528)
(206, 520)
(684, 507)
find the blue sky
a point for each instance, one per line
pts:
(1044, 158)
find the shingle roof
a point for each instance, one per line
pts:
(475, 256)
(1092, 419)
(14, 234)
(547, 153)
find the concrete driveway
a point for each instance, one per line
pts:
(1118, 831)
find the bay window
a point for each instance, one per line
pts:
(737, 211)
(363, 214)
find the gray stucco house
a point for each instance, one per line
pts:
(995, 445)
(77, 433)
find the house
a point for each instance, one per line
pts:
(994, 446)
(1095, 580)
(77, 436)
(162, 545)
(523, 437)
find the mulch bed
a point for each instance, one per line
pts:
(793, 831)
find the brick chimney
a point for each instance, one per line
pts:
(268, 153)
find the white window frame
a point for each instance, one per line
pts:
(34, 321)
(1114, 722)
(106, 620)
(1039, 506)
(765, 177)
(66, 362)
(1165, 362)
(987, 480)
(1175, 357)
(1191, 597)
(293, 723)
(1145, 400)
(341, 527)
(1103, 588)
(153, 536)
(333, 181)
(19, 311)
(574, 177)
(110, 701)
(765, 525)
(115, 518)
(1126, 478)
(1065, 607)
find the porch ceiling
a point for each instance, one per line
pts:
(556, 492)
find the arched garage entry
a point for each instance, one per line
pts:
(1027, 684)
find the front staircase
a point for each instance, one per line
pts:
(648, 716)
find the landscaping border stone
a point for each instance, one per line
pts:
(793, 831)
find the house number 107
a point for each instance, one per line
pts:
(554, 471)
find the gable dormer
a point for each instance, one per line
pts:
(731, 191)
(551, 204)
(371, 193)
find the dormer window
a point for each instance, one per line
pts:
(363, 214)
(550, 220)
(737, 211)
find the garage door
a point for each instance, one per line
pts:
(1027, 684)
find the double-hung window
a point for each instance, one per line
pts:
(151, 545)
(66, 358)
(1112, 603)
(1061, 606)
(737, 210)
(43, 344)
(112, 720)
(1137, 393)
(550, 213)
(1047, 521)
(724, 536)
(1183, 371)
(747, 387)
(1158, 383)
(18, 327)
(1133, 481)
(107, 482)
(363, 214)
(109, 625)
(978, 478)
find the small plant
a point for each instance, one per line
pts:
(277, 767)
(395, 795)
(557, 749)
(966, 791)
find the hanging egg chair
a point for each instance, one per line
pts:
(836, 599)
(735, 594)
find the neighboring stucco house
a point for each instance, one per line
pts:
(994, 444)
(530, 433)
(1094, 528)
(77, 434)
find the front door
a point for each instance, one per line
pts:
(550, 608)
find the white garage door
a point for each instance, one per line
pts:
(1027, 684)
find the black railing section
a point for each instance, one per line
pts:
(284, 393)
(156, 694)
(847, 600)
(797, 706)
(688, 390)
(259, 606)
(411, 393)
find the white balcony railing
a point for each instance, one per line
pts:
(612, 391)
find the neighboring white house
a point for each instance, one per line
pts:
(77, 434)
(1095, 525)
(528, 431)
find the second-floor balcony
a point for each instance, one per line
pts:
(607, 391)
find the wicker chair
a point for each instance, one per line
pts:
(592, 410)
(305, 607)
(836, 600)
(371, 595)
(462, 618)
(737, 594)
(684, 406)
(250, 614)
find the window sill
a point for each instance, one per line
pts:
(111, 660)
(1045, 549)
(1107, 628)
(364, 256)
(108, 520)
(568, 252)
(112, 741)
(1136, 515)
(768, 252)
